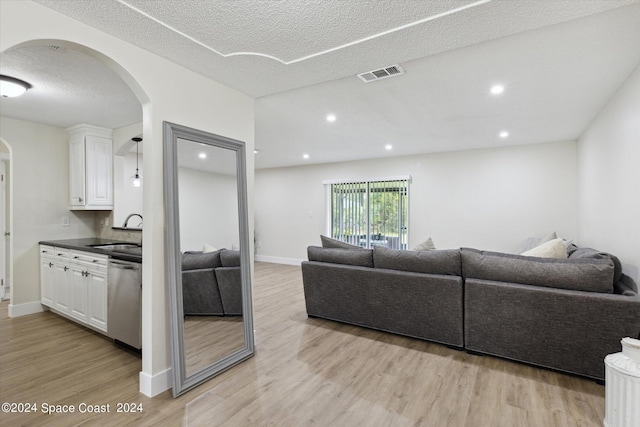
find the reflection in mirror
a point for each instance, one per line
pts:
(208, 254)
(209, 235)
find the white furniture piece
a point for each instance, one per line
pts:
(74, 284)
(622, 392)
(90, 168)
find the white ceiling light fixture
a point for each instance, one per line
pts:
(497, 89)
(331, 118)
(388, 147)
(305, 156)
(136, 180)
(504, 134)
(11, 87)
(202, 155)
(255, 151)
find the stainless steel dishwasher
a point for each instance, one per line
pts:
(124, 323)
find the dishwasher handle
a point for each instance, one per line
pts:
(124, 266)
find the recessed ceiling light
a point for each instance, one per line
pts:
(255, 151)
(202, 155)
(331, 118)
(504, 134)
(388, 147)
(305, 156)
(497, 89)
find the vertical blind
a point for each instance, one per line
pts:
(371, 213)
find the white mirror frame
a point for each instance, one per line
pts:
(182, 382)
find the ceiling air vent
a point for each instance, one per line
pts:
(382, 73)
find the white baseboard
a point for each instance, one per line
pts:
(17, 310)
(278, 260)
(152, 385)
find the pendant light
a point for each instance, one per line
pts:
(136, 180)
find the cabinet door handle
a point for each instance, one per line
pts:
(50, 264)
(76, 257)
(95, 260)
(66, 268)
(80, 199)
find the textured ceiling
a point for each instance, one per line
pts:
(561, 61)
(556, 81)
(198, 34)
(69, 87)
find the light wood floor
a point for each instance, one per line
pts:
(306, 372)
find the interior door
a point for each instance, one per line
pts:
(3, 233)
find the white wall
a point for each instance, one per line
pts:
(127, 198)
(197, 102)
(490, 199)
(208, 210)
(609, 178)
(40, 199)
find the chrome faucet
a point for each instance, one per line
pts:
(126, 221)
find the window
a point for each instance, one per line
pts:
(371, 213)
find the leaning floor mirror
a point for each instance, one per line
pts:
(208, 264)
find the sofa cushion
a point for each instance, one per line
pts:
(445, 261)
(361, 257)
(591, 275)
(230, 258)
(328, 242)
(589, 253)
(194, 260)
(555, 248)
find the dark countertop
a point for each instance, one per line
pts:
(86, 245)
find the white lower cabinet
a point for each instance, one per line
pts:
(47, 259)
(74, 283)
(98, 294)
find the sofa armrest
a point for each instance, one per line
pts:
(566, 330)
(230, 286)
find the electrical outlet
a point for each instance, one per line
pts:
(106, 222)
(65, 221)
(259, 244)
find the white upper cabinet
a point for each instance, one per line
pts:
(90, 168)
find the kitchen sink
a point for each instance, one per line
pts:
(117, 246)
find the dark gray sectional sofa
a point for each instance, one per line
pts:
(211, 283)
(564, 314)
(421, 297)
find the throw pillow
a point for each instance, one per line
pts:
(555, 248)
(328, 242)
(427, 245)
(532, 242)
(206, 248)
